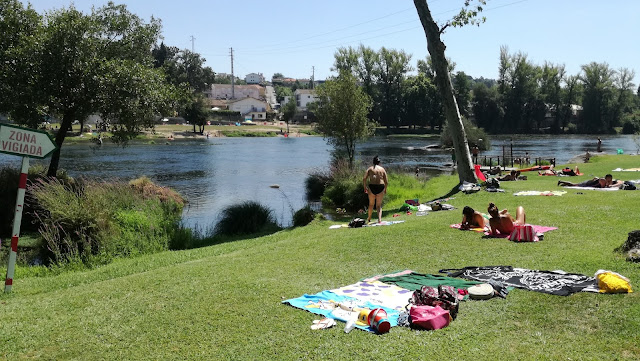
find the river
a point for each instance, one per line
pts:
(215, 173)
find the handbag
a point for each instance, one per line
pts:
(523, 233)
(429, 318)
(443, 297)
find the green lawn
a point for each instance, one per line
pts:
(224, 301)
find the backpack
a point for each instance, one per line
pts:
(444, 296)
(493, 183)
(628, 186)
(356, 223)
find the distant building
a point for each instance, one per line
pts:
(255, 108)
(223, 91)
(254, 78)
(303, 98)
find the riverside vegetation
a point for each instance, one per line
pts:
(224, 301)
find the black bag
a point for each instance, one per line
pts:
(493, 183)
(628, 186)
(356, 222)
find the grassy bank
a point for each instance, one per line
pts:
(224, 301)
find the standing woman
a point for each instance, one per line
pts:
(375, 186)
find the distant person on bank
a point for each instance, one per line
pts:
(375, 186)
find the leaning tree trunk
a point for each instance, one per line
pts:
(436, 49)
(67, 119)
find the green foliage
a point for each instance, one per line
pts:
(475, 136)
(93, 222)
(315, 184)
(246, 218)
(342, 113)
(303, 216)
(345, 193)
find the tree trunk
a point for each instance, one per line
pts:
(436, 49)
(67, 119)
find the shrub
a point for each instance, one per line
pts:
(303, 216)
(315, 185)
(247, 218)
(475, 136)
(346, 193)
(92, 222)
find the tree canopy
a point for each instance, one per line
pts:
(342, 113)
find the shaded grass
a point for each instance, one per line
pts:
(224, 301)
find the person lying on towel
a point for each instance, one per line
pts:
(502, 222)
(513, 175)
(472, 219)
(606, 182)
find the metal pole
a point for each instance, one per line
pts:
(22, 186)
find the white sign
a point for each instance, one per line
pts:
(25, 142)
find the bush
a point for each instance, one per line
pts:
(92, 222)
(315, 185)
(247, 218)
(475, 136)
(303, 216)
(346, 193)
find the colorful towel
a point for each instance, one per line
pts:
(378, 293)
(415, 281)
(327, 304)
(552, 282)
(383, 223)
(537, 229)
(540, 193)
(459, 226)
(594, 188)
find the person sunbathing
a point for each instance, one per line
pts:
(593, 183)
(570, 172)
(472, 219)
(502, 222)
(613, 183)
(513, 175)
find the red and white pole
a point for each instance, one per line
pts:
(17, 220)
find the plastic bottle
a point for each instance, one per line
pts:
(351, 324)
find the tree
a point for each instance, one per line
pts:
(277, 76)
(391, 70)
(97, 63)
(421, 101)
(342, 113)
(598, 97)
(281, 92)
(486, 108)
(436, 49)
(462, 91)
(289, 110)
(196, 113)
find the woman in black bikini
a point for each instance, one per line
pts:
(375, 186)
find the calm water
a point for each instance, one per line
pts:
(215, 173)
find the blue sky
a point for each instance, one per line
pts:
(292, 36)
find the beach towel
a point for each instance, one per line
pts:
(378, 293)
(536, 228)
(552, 282)
(383, 223)
(627, 170)
(594, 188)
(459, 225)
(327, 304)
(414, 281)
(540, 193)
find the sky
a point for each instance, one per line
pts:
(299, 37)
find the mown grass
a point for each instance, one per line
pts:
(224, 301)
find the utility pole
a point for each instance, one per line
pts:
(192, 47)
(313, 75)
(233, 93)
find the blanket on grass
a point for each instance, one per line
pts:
(552, 282)
(327, 304)
(626, 170)
(540, 193)
(377, 293)
(536, 228)
(383, 223)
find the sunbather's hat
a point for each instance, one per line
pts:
(483, 291)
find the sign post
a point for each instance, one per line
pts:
(27, 143)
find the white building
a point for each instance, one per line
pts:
(253, 107)
(303, 98)
(223, 91)
(253, 78)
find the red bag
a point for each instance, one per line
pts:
(429, 318)
(523, 233)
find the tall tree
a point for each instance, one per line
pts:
(551, 89)
(486, 108)
(436, 49)
(96, 63)
(462, 91)
(342, 113)
(289, 110)
(391, 70)
(598, 97)
(196, 113)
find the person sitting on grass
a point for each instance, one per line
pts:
(512, 176)
(472, 219)
(502, 222)
(593, 183)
